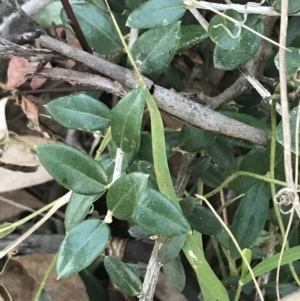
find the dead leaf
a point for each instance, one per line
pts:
(19, 284)
(23, 156)
(30, 109)
(18, 67)
(71, 288)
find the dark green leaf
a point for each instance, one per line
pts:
(81, 246)
(212, 177)
(170, 249)
(159, 215)
(199, 166)
(187, 205)
(128, 158)
(123, 276)
(248, 119)
(247, 46)
(154, 49)
(255, 161)
(204, 221)
(293, 5)
(292, 31)
(155, 12)
(138, 269)
(224, 32)
(250, 217)
(126, 119)
(124, 194)
(138, 232)
(147, 168)
(145, 150)
(190, 36)
(77, 209)
(131, 5)
(292, 61)
(98, 27)
(174, 78)
(175, 273)
(80, 112)
(271, 263)
(293, 123)
(192, 139)
(72, 168)
(50, 13)
(93, 286)
(221, 154)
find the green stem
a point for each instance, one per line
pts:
(229, 202)
(44, 281)
(243, 173)
(238, 293)
(220, 258)
(34, 214)
(232, 266)
(103, 144)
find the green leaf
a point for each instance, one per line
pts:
(124, 193)
(203, 270)
(293, 127)
(174, 78)
(199, 166)
(190, 36)
(170, 249)
(50, 13)
(154, 49)
(187, 205)
(175, 273)
(126, 119)
(212, 177)
(123, 276)
(271, 263)
(248, 254)
(81, 246)
(250, 217)
(72, 169)
(80, 112)
(138, 232)
(248, 119)
(255, 161)
(192, 139)
(204, 221)
(224, 32)
(248, 44)
(138, 269)
(222, 154)
(157, 214)
(292, 61)
(78, 208)
(98, 27)
(294, 6)
(154, 13)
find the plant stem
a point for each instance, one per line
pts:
(45, 278)
(75, 25)
(243, 173)
(117, 173)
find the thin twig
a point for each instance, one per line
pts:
(60, 202)
(75, 25)
(260, 10)
(166, 100)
